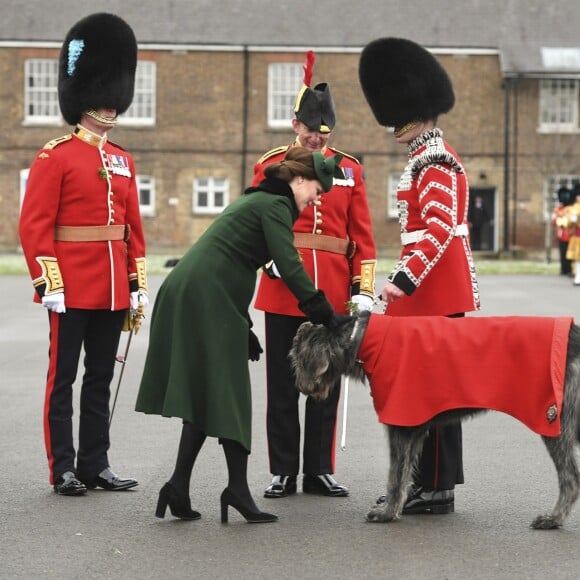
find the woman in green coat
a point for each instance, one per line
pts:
(201, 339)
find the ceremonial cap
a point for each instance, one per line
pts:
(97, 66)
(403, 82)
(315, 107)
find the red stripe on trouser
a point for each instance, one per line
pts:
(436, 468)
(51, 375)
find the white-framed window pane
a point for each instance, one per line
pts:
(392, 184)
(210, 194)
(41, 92)
(559, 103)
(284, 83)
(146, 187)
(143, 108)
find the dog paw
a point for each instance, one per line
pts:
(546, 522)
(381, 515)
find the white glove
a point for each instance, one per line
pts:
(363, 302)
(54, 302)
(272, 270)
(139, 296)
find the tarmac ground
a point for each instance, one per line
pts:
(509, 480)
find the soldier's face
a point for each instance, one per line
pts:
(309, 138)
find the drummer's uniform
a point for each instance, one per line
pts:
(335, 241)
(435, 271)
(82, 235)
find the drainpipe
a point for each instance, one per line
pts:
(506, 165)
(245, 106)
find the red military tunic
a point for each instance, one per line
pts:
(81, 180)
(343, 213)
(436, 269)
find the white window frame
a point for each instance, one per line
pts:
(41, 92)
(142, 112)
(392, 184)
(285, 80)
(558, 105)
(146, 185)
(210, 187)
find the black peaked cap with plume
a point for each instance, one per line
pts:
(403, 82)
(97, 66)
(315, 107)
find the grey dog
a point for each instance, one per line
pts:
(319, 356)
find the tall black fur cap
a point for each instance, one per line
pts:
(403, 82)
(97, 66)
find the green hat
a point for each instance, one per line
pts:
(327, 168)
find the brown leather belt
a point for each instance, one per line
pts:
(326, 243)
(91, 233)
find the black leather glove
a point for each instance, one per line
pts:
(337, 320)
(318, 309)
(254, 347)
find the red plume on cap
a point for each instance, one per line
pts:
(308, 66)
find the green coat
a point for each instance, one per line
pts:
(197, 361)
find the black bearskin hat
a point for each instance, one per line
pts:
(315, 107)
(565, 196)
(403, 82)
(97, 66)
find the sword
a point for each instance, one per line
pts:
(133, 324)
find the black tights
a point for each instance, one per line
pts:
(190, 444)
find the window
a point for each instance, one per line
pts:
(146, 187)
(558, 105)
(392, 211)
(284, 83)
(41, 92)
(143, 108)
(210, 194)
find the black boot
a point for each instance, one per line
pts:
(237, 494)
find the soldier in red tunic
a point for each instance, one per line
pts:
(83, 241)
(407, 89)
(337, 248)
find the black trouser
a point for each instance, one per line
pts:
(282, 419)
(441, 463)
(565, 264)
(99, 332)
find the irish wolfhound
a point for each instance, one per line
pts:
(550, 393)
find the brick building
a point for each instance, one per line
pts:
(217, 80)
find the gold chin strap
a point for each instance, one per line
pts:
(92, 113)
(405, 128)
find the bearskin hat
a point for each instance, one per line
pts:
(565, 196)
(315, 107)
(97, 66)
(403, 82)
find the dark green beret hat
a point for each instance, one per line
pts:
(327, 168)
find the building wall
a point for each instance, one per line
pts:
(207, 123)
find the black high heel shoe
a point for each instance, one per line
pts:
(252, 517)
(179, 505)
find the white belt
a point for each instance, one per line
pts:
(413, 237)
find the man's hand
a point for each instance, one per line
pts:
(363, 302)
(54, 302)
(139, 297)
(391, 293)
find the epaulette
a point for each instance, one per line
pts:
(345, 155)
(272, 152)
(55, 142)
